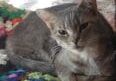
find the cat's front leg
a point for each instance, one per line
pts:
(64, 73)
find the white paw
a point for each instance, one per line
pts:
(3, 57)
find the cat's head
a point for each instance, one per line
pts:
(80, 26)
(67, 25)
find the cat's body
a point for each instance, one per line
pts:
(26, 42)
(84, 48)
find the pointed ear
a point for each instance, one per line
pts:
(48, 17)
(88, 10)
(90, 4)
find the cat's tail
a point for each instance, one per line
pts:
(34, 65)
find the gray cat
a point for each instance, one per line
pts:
(78, 47)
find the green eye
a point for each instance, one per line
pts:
(62, 32)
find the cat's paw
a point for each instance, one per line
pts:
(3, 57)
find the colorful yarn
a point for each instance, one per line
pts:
(38, 76)
(9, 18)
(12, 76)
(25, 75)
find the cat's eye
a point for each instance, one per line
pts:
(62, 32)
(83, 26)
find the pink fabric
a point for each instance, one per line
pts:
(12, 76)
(2, 31)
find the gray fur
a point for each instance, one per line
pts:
(82, 51)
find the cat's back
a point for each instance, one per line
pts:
(28, 36)
(32, 24)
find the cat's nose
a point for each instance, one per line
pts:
(78, 46)
(76, 42)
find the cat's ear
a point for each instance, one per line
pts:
(87, 10)
(90, 4)
(48, 17)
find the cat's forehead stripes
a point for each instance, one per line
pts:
(69, 19)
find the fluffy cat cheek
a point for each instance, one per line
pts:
(68, 45)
